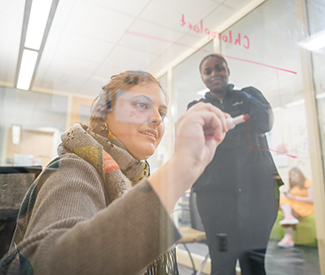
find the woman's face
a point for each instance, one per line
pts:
(214, 74)
(137, 119)
(294, 176)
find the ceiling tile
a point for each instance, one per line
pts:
(8, 57)
(53, 40)
(83, 47)
(56, 80)
(207, 24)
(129, 59)
(42, 69)
(106, 71)
(149, 37)
(63, 13)
(60, 66)
(188, 41)
(130, 7)
(80, 55)
(93, 86)
(158, 64)
(236, 4)
(168, 13)
(12, 7)
(174, 51)
(11, 17)
(12, 33)
(218, 16)
(97, 22)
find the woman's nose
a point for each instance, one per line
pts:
(155, 118)
(214, 72)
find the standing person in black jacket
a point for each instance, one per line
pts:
(236, 195)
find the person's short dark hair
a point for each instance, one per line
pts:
(213, 55)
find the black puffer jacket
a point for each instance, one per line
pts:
(242, 161)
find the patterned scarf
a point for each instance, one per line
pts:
(108, 155)
(120, 171)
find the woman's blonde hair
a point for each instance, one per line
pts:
(107, 97)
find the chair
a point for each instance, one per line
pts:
(193, 233)
(304, 233)
(14, 182)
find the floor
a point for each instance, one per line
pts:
(298, 260)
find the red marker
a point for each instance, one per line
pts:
(233, 121)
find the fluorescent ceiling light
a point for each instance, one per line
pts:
(315, 41)
(26, 71)
(37, 22)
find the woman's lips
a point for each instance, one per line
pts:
(148, 134)
(216, 80)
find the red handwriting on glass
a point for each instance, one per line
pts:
(199, 29)
(225, 38)
(237, 41)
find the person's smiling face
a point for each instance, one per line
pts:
(215, 74)
(137, 119)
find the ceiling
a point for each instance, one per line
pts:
(90, 40)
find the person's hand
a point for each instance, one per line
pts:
(226, 115)
(198, 132)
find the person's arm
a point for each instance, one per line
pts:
(71, 230)
(259, 110)
(198, 133)
(308, 199)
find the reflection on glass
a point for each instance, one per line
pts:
(272, 64)
(261, 41)
(41, 119)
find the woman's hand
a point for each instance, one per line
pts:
(198, 132)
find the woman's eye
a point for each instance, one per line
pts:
(163, 114)
(142, 106)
